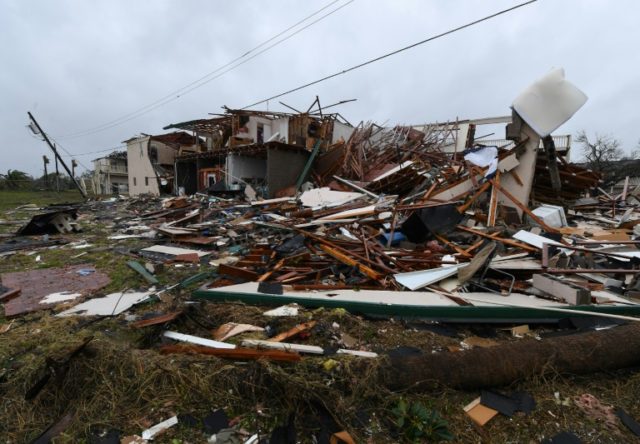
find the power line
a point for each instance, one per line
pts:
(113, 148)
(368, 62)
(58, 145)
(175, 95)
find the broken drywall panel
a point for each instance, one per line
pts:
(174, 251)
(534, 239)
(196, 340)
(552, 215)
(415, 280)
(62, 296)
(111, 305)
(466, 186)
(326, 197)
(151, 432)
(508, 163)
(35, 285)
(285, 310)
(549, 102)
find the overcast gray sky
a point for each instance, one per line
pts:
(79, 64)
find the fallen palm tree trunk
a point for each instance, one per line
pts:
(583, 353)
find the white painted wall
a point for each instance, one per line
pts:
(140, 168)
(341, 130)
(282, 126)
(253, 127)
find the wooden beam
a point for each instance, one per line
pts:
(499, 239)
(351, 262)
(493, 202)
(464, 207)
(524, 208)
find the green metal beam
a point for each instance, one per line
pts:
(453, 314)
(307, 167)
(139, 268)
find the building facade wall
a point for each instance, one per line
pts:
(252, 126)
(283, 168)
(142, 176)
(281, 126)
(110, 175)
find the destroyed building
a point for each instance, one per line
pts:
(110, 174)
(150, 160)
(250, 147)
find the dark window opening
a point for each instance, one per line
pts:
(260, 135)
(153, 154)
(313, 129)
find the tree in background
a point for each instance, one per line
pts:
(635, 154)
(599, 152)
(15, 180)
(49, 182)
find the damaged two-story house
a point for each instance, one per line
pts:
(151, 160)
(110, 174)
(268, 151)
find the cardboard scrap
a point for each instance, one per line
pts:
(479, 413)
(477, 341)
(230, 329)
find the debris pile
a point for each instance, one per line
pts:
(484, 251)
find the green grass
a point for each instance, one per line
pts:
(12, 199)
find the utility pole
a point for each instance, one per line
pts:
(74, 164)
(46, 177)
(58, 158)
(57, 172)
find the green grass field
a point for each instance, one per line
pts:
(12, 199)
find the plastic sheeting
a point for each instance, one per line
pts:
(484, 157)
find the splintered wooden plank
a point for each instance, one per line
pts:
(351, 262)
(294, 331)
(162, 319)
(237, 272)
